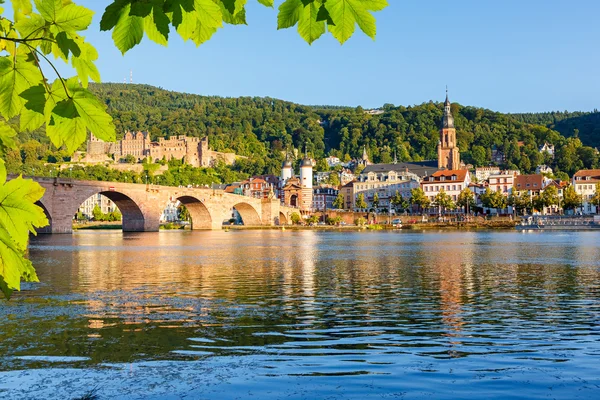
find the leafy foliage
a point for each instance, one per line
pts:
(466, 200)
(199, 20)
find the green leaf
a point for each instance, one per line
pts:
(73, 18)
(84, 64)
(55, 95)
(93, 113)
(14, 79)
(18, 213)
(156, 26)
(13, 265)
(209, 14)
(141, 8)
(32, 114)
(49, 8)
(309, 27)
(111, 14)
(71, 118)
(192, 28)
(233, 12)
(7, 135)
(346, 14)
(22, 7)
(375, 5)
(65, 45)
(31, 27)
(66, 127)
(128, 31)
(289, 13)
(268, 3)
(323, 15)
(2, 172)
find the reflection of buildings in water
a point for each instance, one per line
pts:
(308, 254)
(123, 271)
(455, 273)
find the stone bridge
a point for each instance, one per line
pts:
(142, 205)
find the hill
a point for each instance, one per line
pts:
(262, 128)
(583, 125)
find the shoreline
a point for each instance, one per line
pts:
(463, 225)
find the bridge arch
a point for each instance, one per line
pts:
(282, 219)
(250, 217)
(132, 216)
(48, 228)
(201, 218)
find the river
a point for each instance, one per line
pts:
(306, 315)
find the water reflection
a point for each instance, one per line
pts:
(308, 304)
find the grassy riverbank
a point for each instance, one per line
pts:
(92, 225)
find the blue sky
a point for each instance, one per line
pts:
(509, 56)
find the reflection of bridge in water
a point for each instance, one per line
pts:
(142, 205)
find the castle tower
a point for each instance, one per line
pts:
(306, 180)
(287, 171)
(448, 152)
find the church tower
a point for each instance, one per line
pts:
(448, 154)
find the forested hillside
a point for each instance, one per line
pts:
(261, 128)
(584, 125)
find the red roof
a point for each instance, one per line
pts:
(587, 175)
(461, 175)
(529, 182)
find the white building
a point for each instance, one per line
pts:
(106, 205)
(547, 148)
(321, 177)
(346, 176)
(332, 161)
(543, 169)
(585, 182)
(483, 173)
(170, 213)
(385, 184)
(502, 182)
(452, 182)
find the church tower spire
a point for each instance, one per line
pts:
(448, 152)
